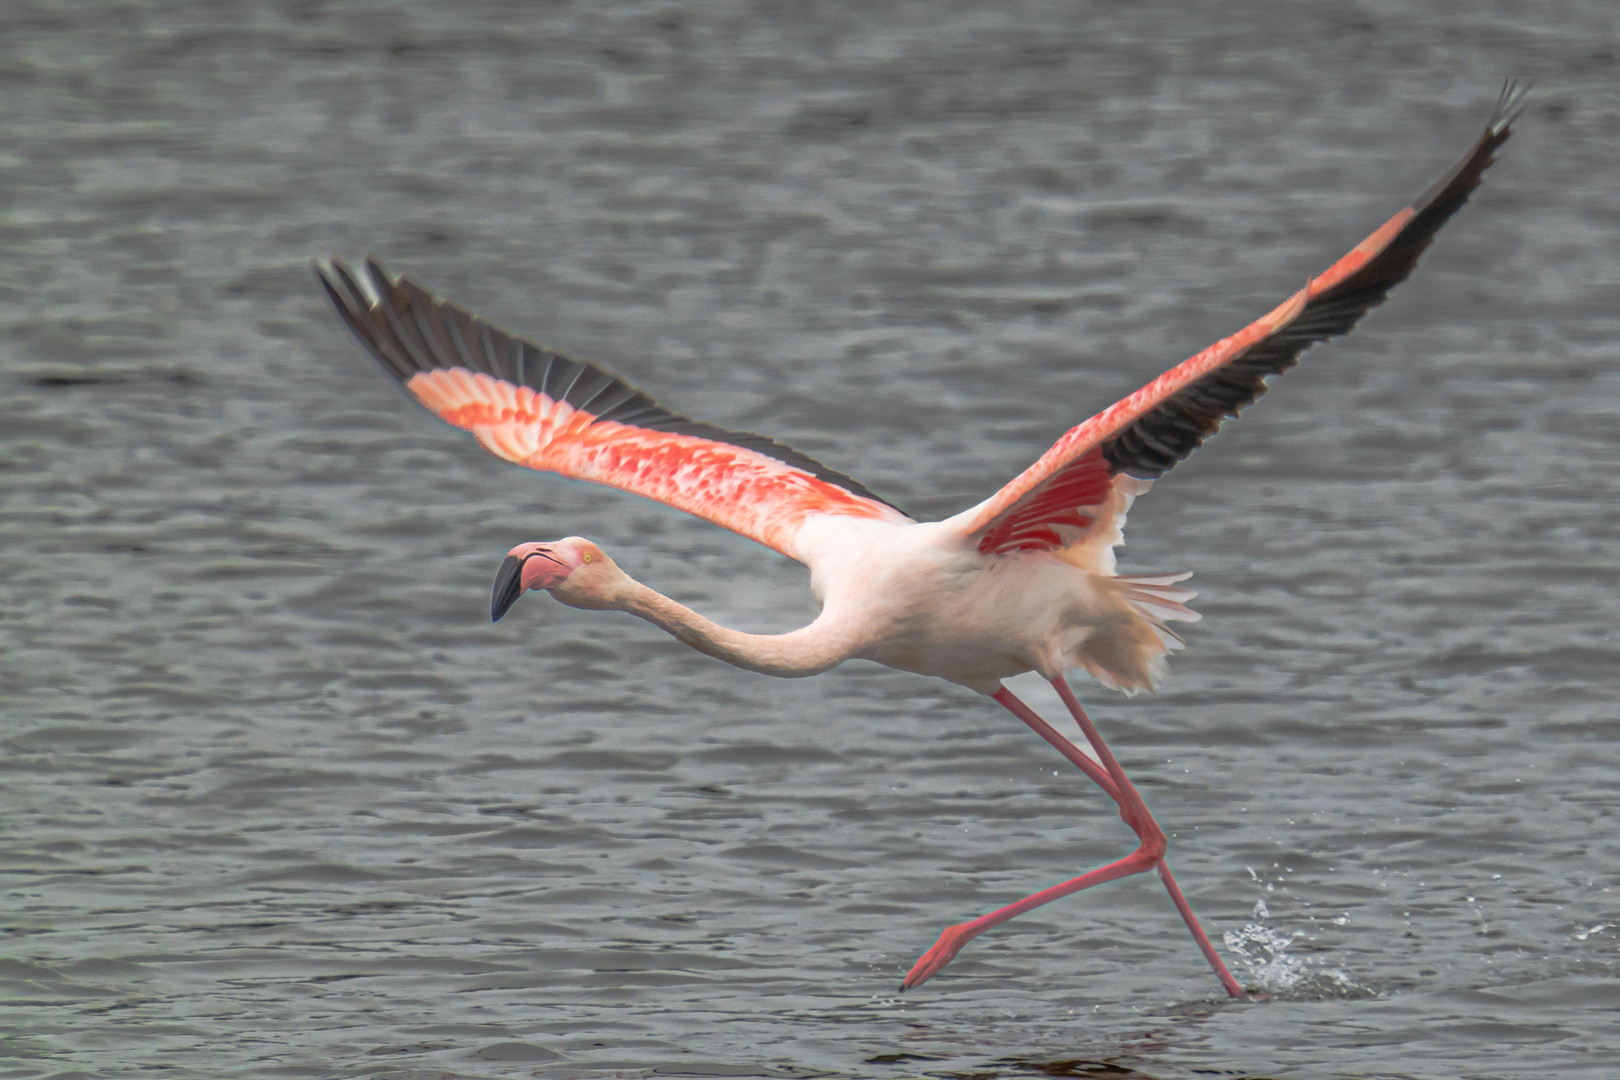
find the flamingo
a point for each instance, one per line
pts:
(1023, 581)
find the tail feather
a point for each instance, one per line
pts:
(1130, 656)
(1157, 600)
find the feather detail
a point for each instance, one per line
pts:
(540, 409)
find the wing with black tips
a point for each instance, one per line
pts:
(1076, 495)
(539, 408)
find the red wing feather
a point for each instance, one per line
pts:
(1144, 435)
(1051, 505)
(546, 411)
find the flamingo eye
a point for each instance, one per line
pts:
(587, 558)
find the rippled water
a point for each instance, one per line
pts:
(279, 801)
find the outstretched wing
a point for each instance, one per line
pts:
(1074, 498)
(543, 410)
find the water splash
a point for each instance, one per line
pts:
(1264, 951)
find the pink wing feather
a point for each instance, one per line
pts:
(546, 411)
(1076, 494)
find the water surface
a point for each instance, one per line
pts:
(280, 801)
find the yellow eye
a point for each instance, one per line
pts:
(587, 558)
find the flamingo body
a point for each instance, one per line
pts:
(1023, 581)
(921, 598)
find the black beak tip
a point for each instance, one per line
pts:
(508, 587)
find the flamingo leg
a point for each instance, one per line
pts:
(1139, 809)
(1149, 853)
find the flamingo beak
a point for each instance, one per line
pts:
(519, 573)
(508, 587)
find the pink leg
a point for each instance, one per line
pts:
(1098, 773)
(1148, 855)
(1094, 737)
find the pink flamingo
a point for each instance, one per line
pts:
(1023, 581)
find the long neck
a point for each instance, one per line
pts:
(809, 651)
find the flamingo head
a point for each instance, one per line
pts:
(573, 569)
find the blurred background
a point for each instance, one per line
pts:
(279, 801)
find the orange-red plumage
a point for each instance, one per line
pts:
(1169, 416)
(740, 489)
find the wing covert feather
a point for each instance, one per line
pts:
(1144, 435)
(543, 410)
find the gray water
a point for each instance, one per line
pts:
(278, 800)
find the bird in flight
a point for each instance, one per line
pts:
(1024, 581)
